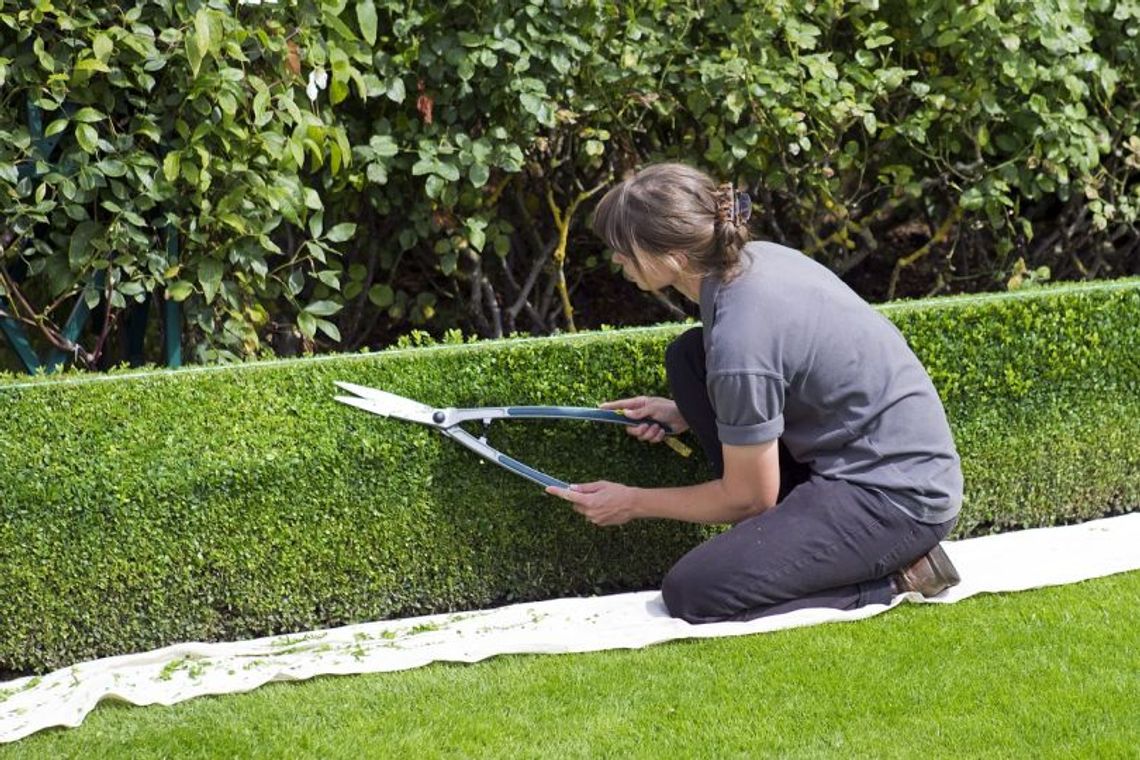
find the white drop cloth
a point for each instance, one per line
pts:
(1005, 562)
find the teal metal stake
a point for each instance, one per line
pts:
(75, 324)
(18, 340)
(171, 309)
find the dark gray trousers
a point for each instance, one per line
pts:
(826, 543)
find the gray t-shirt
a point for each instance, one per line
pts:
(793, 353)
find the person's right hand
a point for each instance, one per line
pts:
(642, 407)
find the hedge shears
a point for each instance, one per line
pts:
(448, 421)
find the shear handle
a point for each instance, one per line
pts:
(549, 413)
(492, 454)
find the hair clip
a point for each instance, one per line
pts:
(741, 207)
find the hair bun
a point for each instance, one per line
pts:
(725, 204)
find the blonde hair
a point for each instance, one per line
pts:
(674, 208)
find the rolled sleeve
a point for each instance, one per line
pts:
(749, 406)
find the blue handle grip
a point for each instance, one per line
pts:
(530, 473)
(579, 413)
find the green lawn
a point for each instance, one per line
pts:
(1054, 672)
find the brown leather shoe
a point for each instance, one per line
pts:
(930, 574)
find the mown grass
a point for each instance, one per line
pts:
(1047, 673)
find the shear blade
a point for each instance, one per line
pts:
(360, 403)
(386, 404)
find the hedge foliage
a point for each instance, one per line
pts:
(140, 509)
(343, 171)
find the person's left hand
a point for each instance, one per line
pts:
(602, 502)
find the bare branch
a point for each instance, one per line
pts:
(493, 307)
(482, 298)
(668, 303)
(523, 299)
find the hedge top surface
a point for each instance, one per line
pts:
(893, 309)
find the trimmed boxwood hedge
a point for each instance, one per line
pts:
(144, 508)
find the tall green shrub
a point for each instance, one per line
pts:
(342, 171)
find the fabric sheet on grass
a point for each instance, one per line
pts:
(1005, 562)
